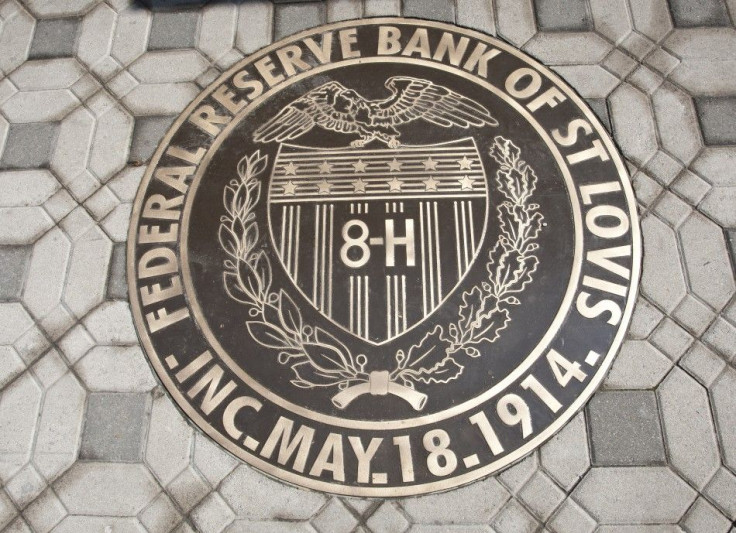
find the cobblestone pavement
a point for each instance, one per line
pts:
(88, 89)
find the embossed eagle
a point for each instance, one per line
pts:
(334, 107)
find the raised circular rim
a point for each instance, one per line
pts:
(302, 481)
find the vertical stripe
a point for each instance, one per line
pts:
(359, 305)
(316, 255)
(298, 224)
(366, 307)
(396, 304)
(401, 206)
(290, 239)
(323, 262)
(472, 228)
(350, 302)
(386, 207)
(283, 230)
(403, 301)
(352, 209)
(329, 265)
(388, 307)
(457, 243)
(465, 233)
(430, 257)
(366, 208)
(438, 255)
(421, 239)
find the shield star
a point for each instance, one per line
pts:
(359, 185)
(290, 169)
(430, 164)
(359, 166)
(430, 184)
(324, 187)
(394, 185)
(325, 168)
(290, 188)
(394, 166)
(466, 183)
(464, 163)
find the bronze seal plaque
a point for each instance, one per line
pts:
(384, 257)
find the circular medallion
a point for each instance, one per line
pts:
(384, 257)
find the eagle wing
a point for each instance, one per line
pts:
(415, 98)
(314, 108)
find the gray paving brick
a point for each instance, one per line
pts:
(565, 456)
(430, 9)
(624, 429)
(432, 509)
(476, 14)
(717, 119)
(147, 133)
(639, 365)
(687, 14)
(105, 489)
(29, 145)
(14, 261)
(54, 38)
(291, 18)
(541, 495)
(388, 519)
(704, 518)
(115, 427)
(634, 495)
(688, 428)
(559, 15)
(722, 336)
(706, 257)
(173, 30)
(513, 518)
(722, 491)
(571, 518)
(702, 363)
(116, 282)
(600, 108)
(671, 339)
(334, 517)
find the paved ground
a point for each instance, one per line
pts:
(89, 89)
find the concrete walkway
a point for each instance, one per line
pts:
(87, 89)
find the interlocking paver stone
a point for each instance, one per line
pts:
(571, 518)
(106, 489)
(513, 518)
(624, 429)
(212, 515)
(269, 499)
(29, 145)
(54, 38)
(334, 517)
(432, 9)
(560, 15)
(639, 365)
(169, 441)
(173, 30)
(147, 133)
(702, 13)
(629, 495)
(388, 519)
(717, 119)
(688, 428)
(45, 512)
(432, 509)
(115, 427)
(14, 262)
(161, 515)
(290, 19)
(662, 278)
(722, 491)
(704, 518)
(565, 456)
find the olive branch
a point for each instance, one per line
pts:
(317, 358)
(484, 311)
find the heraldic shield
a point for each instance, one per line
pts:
(361, 232)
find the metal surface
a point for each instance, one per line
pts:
(384, 257)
